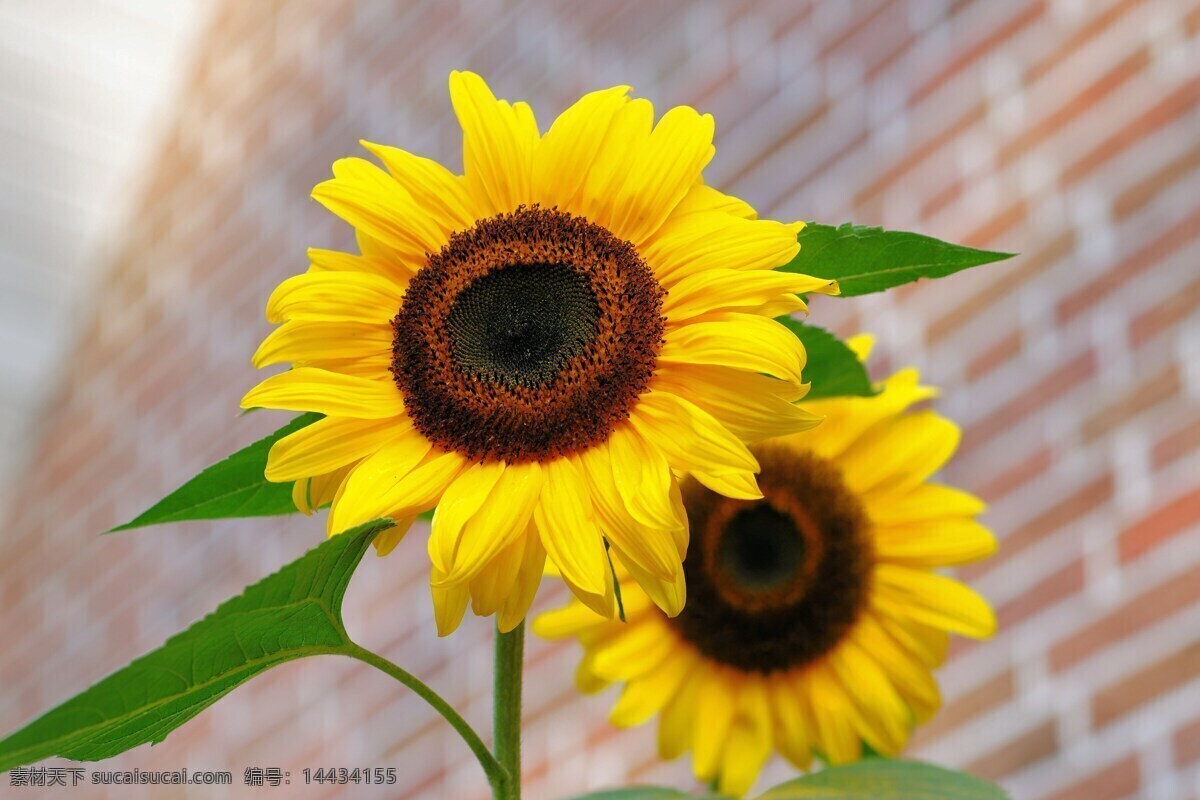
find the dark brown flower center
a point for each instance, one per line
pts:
(775, 583)
(527, 337)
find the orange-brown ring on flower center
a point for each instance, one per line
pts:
(528, 337)
(775, 583)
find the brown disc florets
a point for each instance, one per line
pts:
(527, 337)
(775, 583)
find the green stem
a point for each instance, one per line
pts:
(506, 704)
(496, 774)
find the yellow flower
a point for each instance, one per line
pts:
(815, 616)
(539, 348)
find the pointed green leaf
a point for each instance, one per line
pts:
(886, 779)
(865, 260)
(293, 613)
(832, 369)
(235, 487)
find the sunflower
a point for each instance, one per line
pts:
(541, 348)
(815, 616)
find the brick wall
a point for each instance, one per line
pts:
(1062, 129)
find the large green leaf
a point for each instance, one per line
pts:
(865, 260)
(234, 487)
(886, 779)
(293, 613)
(832, 368)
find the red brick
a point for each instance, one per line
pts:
(1024, 268)
(1166, 315)
(1175, 104)
(974, 703)
(1058, 382)
(1083, 500)
(1028, 748)
(998, 353)
(1053, 589)
(1147, 609)
(1153, 253)
(1142, 396)
(1180, 443)
(1131, 692)
(1160, 526)
(973, 50)
(1138, 196)
(1186, 744)
(1009, 480)
(1114, 782)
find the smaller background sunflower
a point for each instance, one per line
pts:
(815, 615)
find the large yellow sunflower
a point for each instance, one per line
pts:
(540, 348)
(815, 616)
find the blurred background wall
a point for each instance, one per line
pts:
(137, 258)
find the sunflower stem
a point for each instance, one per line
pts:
(509, 666)
(495, 772)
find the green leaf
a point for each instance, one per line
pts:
(865, 260)
(293, 613)
(886, 779)
(234, 487)
(637, 793)
(832, 368)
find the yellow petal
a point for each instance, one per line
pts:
(738, 485)
(934, 600)
(572, 619)
(742, 341)
(792, 720)
(701, 198)
(390, 266)
(387, 540)
(691, 438)
(309, 494)
(715, 705)
(529, 576)
(433, 187)
(403, 478)
(663, 170)
(643, 478)
(862, 345)
(832, 716)
(934, 543)
(676, 724)
(304, 339)
(499, 521)
(638, 649)
(900, 452)
(449, 603)
(749, 743)
(335, 296)
(568, 529)
(751, 406)
(565, 155)
(627, 133)
(653, 549)
(928, 501)
(498, 144)
(882, 718)
(668, 594)
(697, 243)
(329, 443)
(646, 696)
(911, 677)
(462, 498)
(847, 419)
(309, 389)
(368, 198)
(734, 290)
